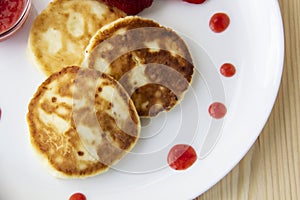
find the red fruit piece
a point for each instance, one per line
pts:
(195, 1)
(131, 7)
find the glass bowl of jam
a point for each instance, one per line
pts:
(13, 14)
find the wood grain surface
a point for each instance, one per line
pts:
(271, 169)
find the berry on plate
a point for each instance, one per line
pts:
(131, 7)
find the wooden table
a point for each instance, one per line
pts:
(271, 169)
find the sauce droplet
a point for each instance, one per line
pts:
(195, 1)
(181, 157)
(217, 110)
(227, 70)
(77, 196)
(0, 113)
(11, 11)
(219, 22)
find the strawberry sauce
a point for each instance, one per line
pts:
(219, 22)
(77, 196)
(227, 70)
(195, 1)
(217, 110)
(181, 157)
(10, 13)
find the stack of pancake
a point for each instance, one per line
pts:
(104, 71)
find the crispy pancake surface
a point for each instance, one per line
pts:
(152, 62)
(81, 121)
(61, 32)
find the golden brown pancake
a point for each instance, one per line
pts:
(152, 62)
(81, 121)
(61, 32)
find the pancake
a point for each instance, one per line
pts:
(61, 32)
(150, 61)
(80, 134)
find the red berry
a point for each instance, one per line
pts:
(195, 1)
(131, 7)
(77, 196)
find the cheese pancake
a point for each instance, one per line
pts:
(81, 122)
(152, 62)
(61, 32)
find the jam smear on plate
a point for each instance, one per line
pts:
(217, 110)
(195, 1)
(219, 22)
(181, 156)
(77, 196)
(227, 70)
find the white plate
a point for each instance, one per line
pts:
(253, 42)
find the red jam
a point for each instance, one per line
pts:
(217, 110)
(227, 70)
(195, 1)
(0, 113)
(77, 196)
(181, 157)
(219, 22)
(10, 13)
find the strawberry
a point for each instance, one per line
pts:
(131, 7)
(195, 1)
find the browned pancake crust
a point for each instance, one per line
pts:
(168, 65)
(65, 151)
